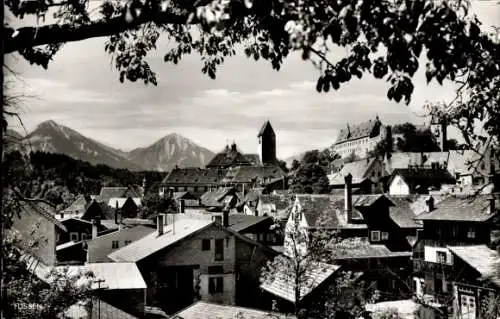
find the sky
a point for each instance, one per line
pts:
(81, 90)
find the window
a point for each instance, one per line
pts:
(441, 257)
(205, 244)
(73, 236)
(385, 235)
(471, 233)
(127, 242)
(215, 285)
(219, 249)
(115, 244)
(62, 215)
(454, 230)
(375, 235)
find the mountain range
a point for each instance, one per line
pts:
(162, 155)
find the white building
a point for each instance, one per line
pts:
(359, 139)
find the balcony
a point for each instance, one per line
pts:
(422, 266)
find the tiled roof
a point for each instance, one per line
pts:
(403, 159)
(265, 127)
(214, 197)
(461, 208)
(230, 156)
(486, 261)
(251, 196)
(371, 251)
(79, 204)
(183, 195)
(152, 243)
(326, 211)
(254, 159)
(424, 176)
(41, 208)
(248, 174)
(283, 284)
(241, 222)
(405, 209)
(357, 169)
(202, 309)
(354, 132)
(121, 200)
(194, 176)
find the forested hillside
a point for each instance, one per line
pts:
(59, 178)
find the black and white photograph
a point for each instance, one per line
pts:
(250, 159)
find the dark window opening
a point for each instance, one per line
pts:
(205, 244)
(219, 249)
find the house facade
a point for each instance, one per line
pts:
(191, 260)
(366, 174)
(453, 221)
(417, 180)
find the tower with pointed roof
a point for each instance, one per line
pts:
(267, 144)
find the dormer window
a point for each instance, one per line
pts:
(471, 233)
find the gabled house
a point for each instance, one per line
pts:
(477, 279)
(194, 180)
(77, 230)
(219, 198)
(454, 221)
(276, 206)
(417, 180)
(191, 260)
(230, 157)
(258, 228)
(244, 178)
(36, 222)
(366, 176)
(77, 207)
(119, 192)
(127, 206)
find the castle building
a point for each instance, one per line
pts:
(359, 139)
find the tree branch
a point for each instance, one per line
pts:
(27, 37)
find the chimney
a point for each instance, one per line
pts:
(348, 197)
(225, 217)
(429, 202)
(95, 227)
(181, 206)
(160, 224)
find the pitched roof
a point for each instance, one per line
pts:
(354, 132)
(207, 310)
(80, 204)
(461, 208)
(153, 243)
(367, 250)
(184, 195)
(241, 222)
(248, 174)
(214, 198)
(486, 261)
(41, 208)
(405, 209)
(194, 176)
(283, 284)
(265, 127)
(358, 170)
(254, 159)
(327, 211)
(202, 309)
(121, 201)
(230, 156)
(100, 309)
(115, 275)
(114, 192)
(424, 176)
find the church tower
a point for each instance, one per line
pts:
(267, 144)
